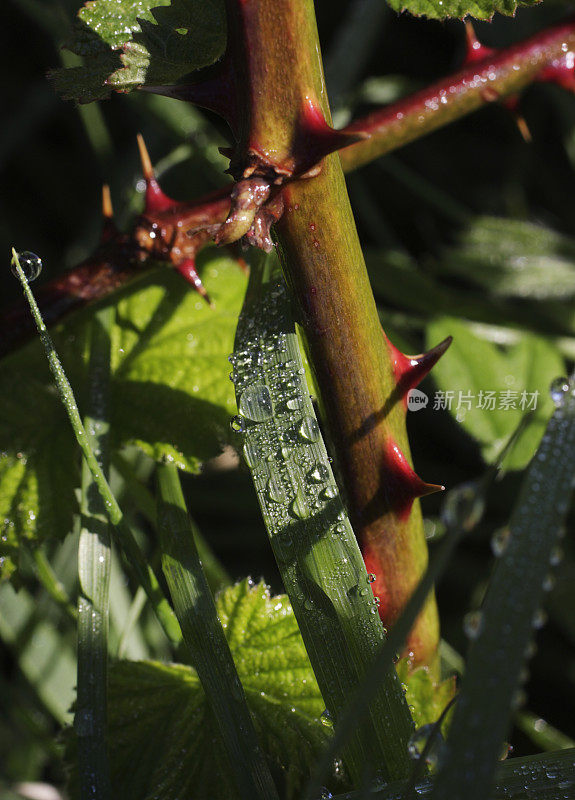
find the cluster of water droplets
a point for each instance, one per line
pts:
(281, 442)
(31, 265)
(278, 426)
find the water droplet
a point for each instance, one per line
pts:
(31, 265)
(519, 699)
(500, 541)
(252, 453)
(295, 403)
(556, 556)
(326, 719)
(539, 619)
(237, 424)
(256, 403)
(309, 429)
(325, 794)
(284, 546)
(319, 473)
(558, 390)
(84, 722)
(473, 624)
(371, 577)
(548, 583)
(276, 489)
(463, 507)
(299, 508)
(330, 492)
(418, 743)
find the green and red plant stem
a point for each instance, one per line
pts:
(325, 269)
(483, 81)
(492, 77)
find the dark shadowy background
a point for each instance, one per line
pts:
(54, 159)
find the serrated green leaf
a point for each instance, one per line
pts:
(164, 741)
(171, 391)
(443, 9)
(170, 395)
(38, 464)
(472, 367)
(135, 43)
(514, 259)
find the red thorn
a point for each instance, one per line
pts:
(215, 91)
(402, 484)
(523, 128)
(107, 207)
(317, 138)
(475, 51)
(156, 200)
(411, 370)
(187, 269)
(109, 230)
(511, 103)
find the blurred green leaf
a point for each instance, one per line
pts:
(427, 698)
(133, 43)
(443, 9)
(513, 258)
(170, 395)
(510, 613)
(164, 741)
(489, 389)
(44, 654)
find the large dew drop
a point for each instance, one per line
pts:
(237, 424)
(31, 265)
(473, 624)
(309, 429)
(463, 507)
(421, 740)
(276, 490)
(256, 403)
(299, 508)
(252, 453)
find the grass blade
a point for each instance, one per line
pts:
(464, 507)
(311, 537)
(509, 612)
(125, 537)
(206, 641)
(94, 562)
(49, 581)
(217, 576)
(549, 776)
